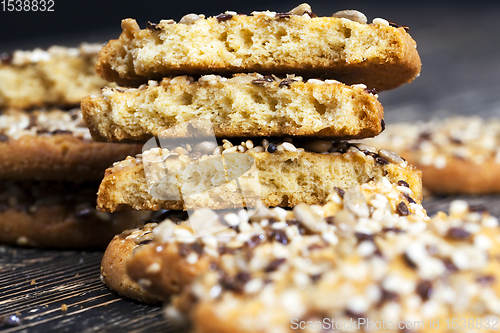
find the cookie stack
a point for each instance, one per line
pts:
(241, 74)
(49, 165)
(353, 251)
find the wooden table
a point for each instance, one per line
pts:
(460, 75)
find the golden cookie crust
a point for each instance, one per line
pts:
(173, 259)
(459, 176)
(377, 54)
(245, 105)
(304, 177)
(457, 155)
(54, 145)
(58, 76)
(113, 272)
(58, 215)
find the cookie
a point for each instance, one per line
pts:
(59, 76)
(58, 215)
(113, 272)
(457, 155)
(174, 258)
(281, 174)
(343, 47)
(244, 105)
(382, 282)
(54, 145)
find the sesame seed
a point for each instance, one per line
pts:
(403, 209)
(253, 286)
(232, 219)
(289, 147)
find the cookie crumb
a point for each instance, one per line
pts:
(64, 307)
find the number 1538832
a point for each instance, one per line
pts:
(27, 5)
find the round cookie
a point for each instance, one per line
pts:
(54, 145)
(113, 272)
(309, 171)
(175, 258)
(58, 215)
(246, 105)
(344, 47)
(457, 155)
(395, 279)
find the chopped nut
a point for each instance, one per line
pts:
(190, 19)
(289, 147)
(301, 9)
(308, 218)
(380, 21)
(352, 15)
(390, 156)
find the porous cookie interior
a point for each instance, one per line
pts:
(304, 176)
(57, 76)
(344, 47)
(244, 105)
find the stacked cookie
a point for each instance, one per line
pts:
(268, 85)
(370, 255)
(354, 242)
(49, 165)
(465, 148)
(291, 126)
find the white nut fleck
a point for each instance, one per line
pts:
(308, 218)
(153, 268)
(253, 286)
(390, 156)
(192, 258)
(355, 201)
(289, 147)
(301, 9)
(380, 21)
(352, 15)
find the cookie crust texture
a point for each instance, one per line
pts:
(304, 177)
(165, 258)
(113, 270)
(457, 155)
(377, 54)
(54, 144)
(246, 105)
(59, 76)
(54, 214)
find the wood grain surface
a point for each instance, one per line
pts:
(460, 75)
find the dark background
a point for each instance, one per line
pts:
(100, 19)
